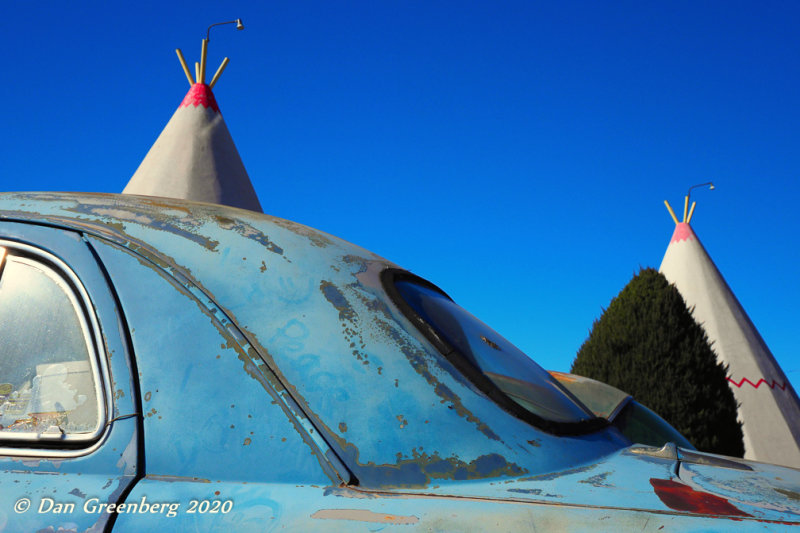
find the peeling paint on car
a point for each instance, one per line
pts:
(597, 481)
(681, 497)
(320, 364)
(360, 515)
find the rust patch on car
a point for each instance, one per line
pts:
(417, 358)
(348, 492)
(249, 232)
(153, 219)
(317, 238)
(420, 469)
(555, 475)
(598, 480)
(177, 479)
(337, 300)
(680, 497)
(792, 495)
(361, 515)
(356, 260)
(535, 492)
(347, 314)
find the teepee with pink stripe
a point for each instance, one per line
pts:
(195, 157)
(769, 408)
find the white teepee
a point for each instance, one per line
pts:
(195, 158)
(769, 408)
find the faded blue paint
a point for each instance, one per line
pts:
(360, 341)
(209, 411)
(312, 348)
(764, 492)
(112, 467)
(262, 507)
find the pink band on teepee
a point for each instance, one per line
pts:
(683, 232)
(200, 94)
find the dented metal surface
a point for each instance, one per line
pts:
(275, 371)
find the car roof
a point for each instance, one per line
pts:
(314, 307)
(113, 216)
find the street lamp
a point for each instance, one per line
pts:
(238, 22)
(687, 213)
(200, 66)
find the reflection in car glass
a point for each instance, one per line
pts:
(508, 368)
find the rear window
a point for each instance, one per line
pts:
(493, 364)
(643, 426)
(49, 385)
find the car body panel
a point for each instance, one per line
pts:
(280, 282)
(266, 507)
(377, 422)
(196, 378)
(104, 470)
(758, 489)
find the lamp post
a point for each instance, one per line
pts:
(238, 22)
(687, 213)
(200, 66)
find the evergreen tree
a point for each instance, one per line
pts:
(648, 344)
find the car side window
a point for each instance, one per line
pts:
(48, 377)
(492, 363)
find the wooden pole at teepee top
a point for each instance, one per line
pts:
(185, 67)
(691, 212)
(218, 73)
(671, 212)
(203, 54)
(200, 66)
(685, 207)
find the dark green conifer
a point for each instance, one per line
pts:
(648, 344)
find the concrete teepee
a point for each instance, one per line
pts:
(769, 408)
(195, 158)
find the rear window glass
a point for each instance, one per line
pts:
(489, 360)
(48, 388)
(643, 426)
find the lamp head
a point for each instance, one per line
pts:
(239, 25)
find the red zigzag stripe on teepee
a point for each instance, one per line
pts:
(760, 381)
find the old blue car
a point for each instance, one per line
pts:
(177, 366)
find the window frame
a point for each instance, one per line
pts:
(473, 373)
(41, 444)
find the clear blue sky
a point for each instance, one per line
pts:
(515, 153)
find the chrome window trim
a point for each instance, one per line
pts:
(97, 361)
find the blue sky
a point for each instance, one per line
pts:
(517, 154)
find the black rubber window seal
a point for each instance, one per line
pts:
(390, 276)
